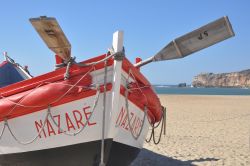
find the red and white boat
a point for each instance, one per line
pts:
(96, 112)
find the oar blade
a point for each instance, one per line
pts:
(196, 40)
(52, 34)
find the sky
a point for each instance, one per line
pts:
(148, 26)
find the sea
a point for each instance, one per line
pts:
(172, 89)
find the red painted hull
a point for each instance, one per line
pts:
(44, 90)
(25, 105)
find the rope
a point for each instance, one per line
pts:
(72, 87)
(32, 140)
(4, 126)
(72, 61)
(66, 74)
(100, 61)
(49, 114)
(46, 119)
(140, 88)
(145, 113)
(84, 125)
(127, 110)
(152, 135)
(18, 103)
(39, 106)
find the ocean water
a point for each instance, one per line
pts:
(201, 91)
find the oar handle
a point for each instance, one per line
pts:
(142, 63)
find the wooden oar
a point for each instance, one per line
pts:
(51, 33)
(194, 41)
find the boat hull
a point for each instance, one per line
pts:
(53, 147)
(68, 130)
(87, 154)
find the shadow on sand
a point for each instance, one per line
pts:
(149, 158)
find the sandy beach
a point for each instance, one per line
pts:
(202, 130)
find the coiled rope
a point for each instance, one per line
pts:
(163, 128)
(153, 126)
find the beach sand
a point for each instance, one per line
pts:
(201, 130)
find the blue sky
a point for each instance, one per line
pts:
(148, 26)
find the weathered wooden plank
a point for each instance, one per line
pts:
(52, 34)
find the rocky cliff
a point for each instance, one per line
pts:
(235, 79)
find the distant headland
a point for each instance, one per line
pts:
(232, 80)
